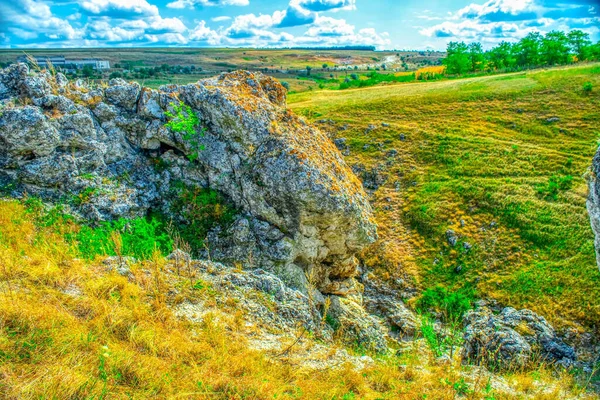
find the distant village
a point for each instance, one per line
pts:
(66, 64)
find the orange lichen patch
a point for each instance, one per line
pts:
(53, 113)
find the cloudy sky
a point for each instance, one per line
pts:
(387, 24)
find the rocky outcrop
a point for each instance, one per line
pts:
(512, 339)
(593, 202)
(302, 211)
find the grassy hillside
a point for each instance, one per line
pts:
(500, 160)
(72, 329)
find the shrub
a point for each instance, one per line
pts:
(201, 209)
(452, 305)
(185, 121)
(139, 238)
(587, 87)
(286, 85)
(555, 185)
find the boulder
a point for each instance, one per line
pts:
(512, 339)
(301, 210)
(593, 202)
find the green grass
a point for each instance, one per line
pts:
(483, 151)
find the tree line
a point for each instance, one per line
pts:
(532, 51)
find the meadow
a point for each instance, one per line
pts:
(499, 160)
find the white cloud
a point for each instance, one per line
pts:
(324, 5)
(497, 20)
(325, 26)
(202, 33)
(138, 22)
(206, 3)
(119, 8)
(30, 19)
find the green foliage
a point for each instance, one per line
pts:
(555, 185)
(374, 78)
(555, 48)
(461, 387)
(434, 341)
(201, 210)
(85, 196)
(580, 44)
(451, 305)
(534, 50)
(185, 121)
(476, 57)
(587, 87)
(286, 85)
(140, 238)
(458, 60)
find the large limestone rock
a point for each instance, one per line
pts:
(302, 211)
(593, 202)
(512, 339)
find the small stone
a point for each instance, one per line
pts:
(551, 120)
(458, 269)
(402, 137)
(451, 237)
(467, 246)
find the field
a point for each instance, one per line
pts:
(288, 65)
(501, 161)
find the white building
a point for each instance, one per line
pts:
(66, 63)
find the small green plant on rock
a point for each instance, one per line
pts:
(183, 120)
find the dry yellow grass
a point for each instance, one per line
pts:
(71, 330)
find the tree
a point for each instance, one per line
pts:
(580, 44)
(457, 61)
(528, 54)
(324, 66)
(595, 51)
(501, 56)
(87, 71)
(308, 69)
(476, 57)
(555, 48)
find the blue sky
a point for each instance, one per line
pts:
(386, 24)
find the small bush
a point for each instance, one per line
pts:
(185, 121)
(587, 87)
(201, 209)
(555, 185)
(452, 305)
(140, 238)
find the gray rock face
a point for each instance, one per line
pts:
(302, 210)
(512, 339)
(593, 202)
